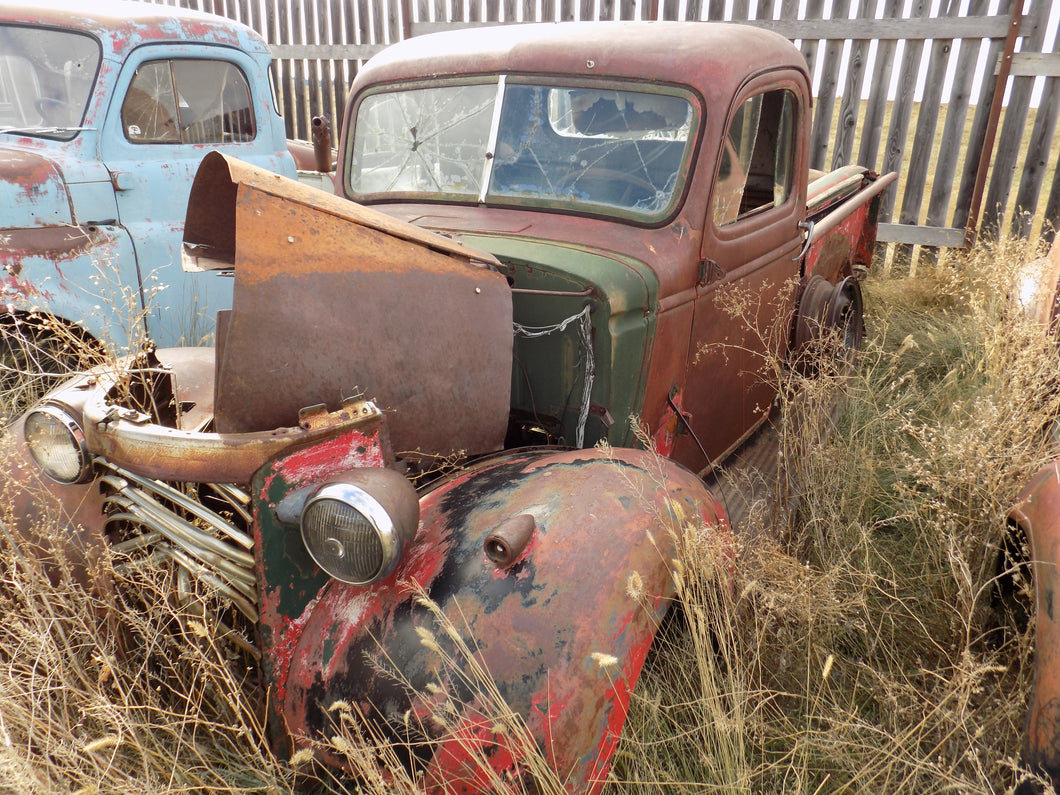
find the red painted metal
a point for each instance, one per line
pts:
(1037, 512)
(571, 677)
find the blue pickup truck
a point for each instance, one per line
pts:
(106, 110)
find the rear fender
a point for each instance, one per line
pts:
(1038, 514)
(556, 629)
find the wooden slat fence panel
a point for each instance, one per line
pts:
(856, 53)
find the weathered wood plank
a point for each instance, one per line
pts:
(1010, 140)
(827, 89)
(895, 29)
(943, 180)
(978, 132)
(1038, 162)
(901, 109)
(938, 237)
(1035, 64)
(847, 123)
(876, 106)
(917, 164)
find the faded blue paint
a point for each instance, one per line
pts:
(129, 198)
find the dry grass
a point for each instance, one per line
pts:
(860, 650)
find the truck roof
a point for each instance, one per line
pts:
(123, 25)
(713, 57)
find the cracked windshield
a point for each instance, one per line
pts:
(46, 79)
(615, 151)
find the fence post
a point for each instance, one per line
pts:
(971, 230)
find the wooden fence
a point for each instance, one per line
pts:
(913, 86)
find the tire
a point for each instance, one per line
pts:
(36, 354)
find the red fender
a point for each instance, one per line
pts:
(1038, 514)
(557, 629)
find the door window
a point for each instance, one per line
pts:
(188, 101)
(757, 157)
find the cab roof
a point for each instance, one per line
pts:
(704, 55)
(123, 25)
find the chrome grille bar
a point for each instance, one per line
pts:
(173, 524)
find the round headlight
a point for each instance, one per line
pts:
(57, 444)
(356, 532)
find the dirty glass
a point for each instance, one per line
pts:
(46, 80)
(757, 158)
(430, 140)
(189, 101)
(601, 150)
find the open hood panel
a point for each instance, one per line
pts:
(334, 300)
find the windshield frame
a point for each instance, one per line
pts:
(486, 194)
(48, 106)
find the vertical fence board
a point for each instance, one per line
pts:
(1034, 170)
(901, 109)
(828, 85)
(876, 106)
(977, 135)
(1010, 140)
(942, 190)
(847, 123)
(1052, 205)
(916, 172)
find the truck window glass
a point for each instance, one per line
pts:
(430, 140)
(46, 79)
(757, 157)
(600, 150)
(188, 101)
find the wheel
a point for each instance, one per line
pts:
(829, 312)
(846, 314)
(35, 355)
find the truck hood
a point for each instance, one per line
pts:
(32, 191)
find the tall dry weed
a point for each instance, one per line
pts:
(863, 650)
(852, 645)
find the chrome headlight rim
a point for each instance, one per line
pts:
(64, 420)
(387, 534)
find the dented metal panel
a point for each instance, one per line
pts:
(417, 323)
(1038, 514)
(563, 632)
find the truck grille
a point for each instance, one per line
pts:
(201, 531)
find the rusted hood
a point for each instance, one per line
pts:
(32, 191)
(333, 300)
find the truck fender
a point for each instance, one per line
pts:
(547, 575)
(1037, 513)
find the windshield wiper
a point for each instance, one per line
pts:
(42, 130)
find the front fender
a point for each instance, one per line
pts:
(562, 632)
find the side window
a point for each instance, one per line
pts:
(188, 101)
(757, 157)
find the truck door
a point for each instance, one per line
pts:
(172, 105)
(748, 276)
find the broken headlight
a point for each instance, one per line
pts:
(57, 444)
(356, 529)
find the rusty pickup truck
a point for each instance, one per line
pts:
(106, 110)
(551, 237)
